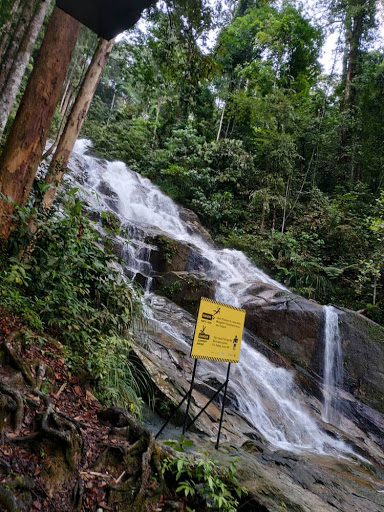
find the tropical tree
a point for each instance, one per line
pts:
(14, 65)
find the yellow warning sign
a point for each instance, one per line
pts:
(218, 332)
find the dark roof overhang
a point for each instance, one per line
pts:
(105, 17)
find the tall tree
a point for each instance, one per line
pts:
(75, 120)
(15, 42)
(16, 72)
(25, 143)
(7, 19)
(358, 18)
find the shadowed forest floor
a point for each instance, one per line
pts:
(60, 449)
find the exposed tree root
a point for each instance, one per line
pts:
(78, 493)
(129, 467)
(17, 360)
(143, 441)
(58, 428)
(146, 473)
(18, 416)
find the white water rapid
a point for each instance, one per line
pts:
(333, 366)
(267, 395)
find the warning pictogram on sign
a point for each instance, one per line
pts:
(218, 333)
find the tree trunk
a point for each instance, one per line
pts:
(221, 123)
(25, 143)
(354, 33)
(285, 206)
(67, 84)
(75, 120)
(15, 43)
(20, 63)
(262, 220)
(158, 107)
(6, 28)
(112, 105)
(374, 290)
(67, 98)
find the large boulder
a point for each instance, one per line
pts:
(293, 327)
(193, 223)
(184, 288)
(363, 346)
(286, 322)
(168, 254)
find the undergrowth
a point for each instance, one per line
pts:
(62, 280)
(202, 481)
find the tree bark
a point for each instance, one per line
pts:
(112, 106)
(221, 123)
(19, 65)
(14, 44)
(75, 120)
(5, 29)
(356, 23)
(29, 131)
(67, 85)
(158, 107)
(285, 206)
(354, 33)
(262, 220)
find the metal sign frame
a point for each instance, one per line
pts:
(226, 337)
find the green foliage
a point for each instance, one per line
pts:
(62, 281)
(369, 282)
(112, 365)
(202, 480)
(266, 150)
(111, 221)
(5, 12)
(167, 247)
(128, 141)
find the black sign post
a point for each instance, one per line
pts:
(223, 407)
(217, 337)
(189, 398)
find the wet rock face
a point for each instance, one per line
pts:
(286, 322)
(293, 327)
(168, 254)
(290, 327)
(363, 346)
(298, 482)
(193, 223)
(184, 288)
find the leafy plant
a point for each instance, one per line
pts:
(119, 380)
(61, 280)
(202, 481)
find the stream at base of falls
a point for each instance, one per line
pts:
(266, 395)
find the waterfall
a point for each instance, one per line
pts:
(333, 366)
(267, 395)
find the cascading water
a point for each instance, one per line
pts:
(333, 366)
(267, 395)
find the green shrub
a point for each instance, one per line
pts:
(61, 280)
(202, 480)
